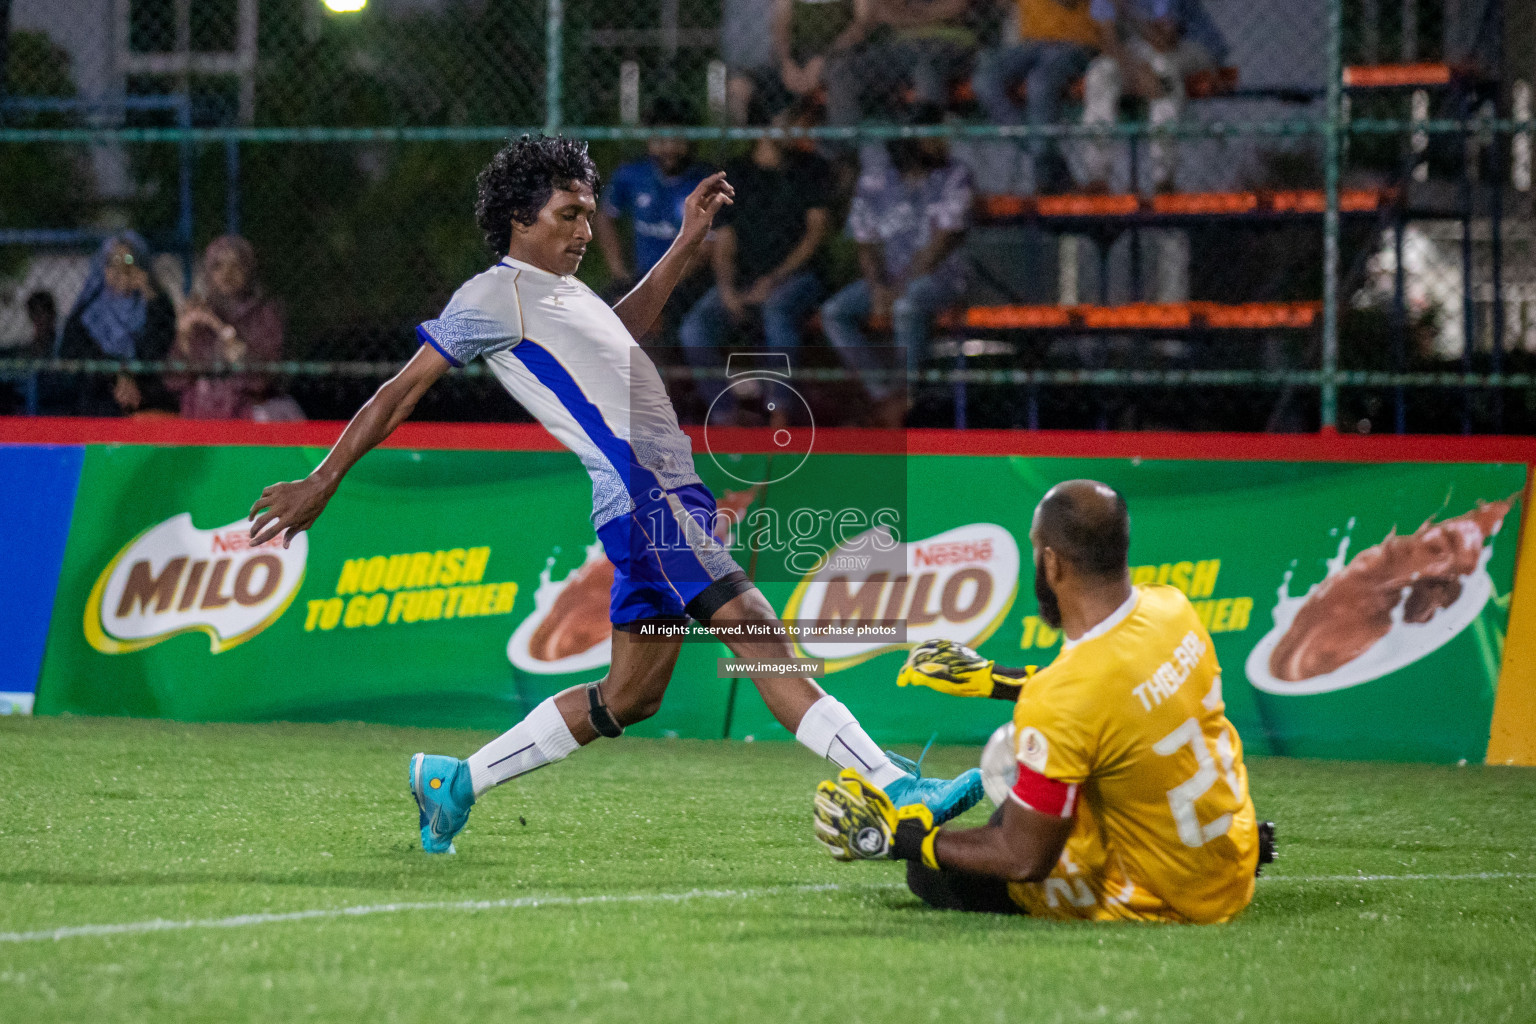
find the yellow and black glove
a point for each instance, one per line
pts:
(948, 667)
(855, 820)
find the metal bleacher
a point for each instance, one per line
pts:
(1465, 92)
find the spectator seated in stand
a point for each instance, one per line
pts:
(1150, 47)
(43, 312)
(812, 42)
(1057, 39)
(21, 394)
(924, 44)
(910, 212)
(229, 319)
(120, 315)
(650, 194)
(767, 257)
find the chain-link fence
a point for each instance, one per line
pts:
(1124, 214)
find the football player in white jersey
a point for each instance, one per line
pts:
(572, 362)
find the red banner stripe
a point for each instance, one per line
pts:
(1083, 444)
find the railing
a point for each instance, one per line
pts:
(1438, 142)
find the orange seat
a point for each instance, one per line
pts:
(1398, 76)
(1190, 204)
(1134, 316)
(1197, 85)
(1003, 207)
(999, 318)
(1205, 203)
(1252, 315)
(1201, 85)
(1088, 205)
(1314, 200)
(1140, 316)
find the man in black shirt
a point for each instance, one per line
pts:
(766, 257)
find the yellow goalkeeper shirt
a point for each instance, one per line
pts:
(1131, 718)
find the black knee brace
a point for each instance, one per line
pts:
(602, 719)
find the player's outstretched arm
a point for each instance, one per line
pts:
(855, 820)
(640, 308)
(290, 508)
(1023, 847)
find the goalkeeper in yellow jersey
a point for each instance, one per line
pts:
(1132, 798)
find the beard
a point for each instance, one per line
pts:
(1045, 597)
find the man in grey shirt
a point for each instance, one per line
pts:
(910, 212)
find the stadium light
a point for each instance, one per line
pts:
(345, 6)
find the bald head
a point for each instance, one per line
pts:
(1088, 525)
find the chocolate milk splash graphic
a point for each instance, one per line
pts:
(568, 629)
(1389, 606)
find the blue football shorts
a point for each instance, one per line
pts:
(667, 561)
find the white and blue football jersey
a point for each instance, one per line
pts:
(568, 359)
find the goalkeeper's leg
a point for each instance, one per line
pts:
(946, 889)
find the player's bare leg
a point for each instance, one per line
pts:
(788, 697)
(631, 692)
(822, 723)
(446, 788)
(637, 680)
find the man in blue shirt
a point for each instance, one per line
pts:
(650, 193)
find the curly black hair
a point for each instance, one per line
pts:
(521, 177)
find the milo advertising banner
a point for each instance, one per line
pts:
(1358, 610)
(164, 608)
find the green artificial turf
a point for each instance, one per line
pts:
(117, 821)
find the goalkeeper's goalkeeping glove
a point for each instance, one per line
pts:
(855, 820)
(950, 668)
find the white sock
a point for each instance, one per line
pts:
(537, 740)
(830, 731)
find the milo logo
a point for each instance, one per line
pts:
(958, 585)
(174, 577)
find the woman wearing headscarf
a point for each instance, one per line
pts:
(228, 319)
(119, 315)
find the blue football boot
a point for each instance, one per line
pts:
(946, 798)
(444, 794)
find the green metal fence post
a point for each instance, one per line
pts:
(1329, 413)
(554, 63)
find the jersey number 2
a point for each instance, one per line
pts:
(1182, 798)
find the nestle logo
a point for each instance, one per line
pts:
(956, 585)
(239, 540)
(952, 553)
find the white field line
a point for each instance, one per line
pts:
(533, 902)
(518, 903)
